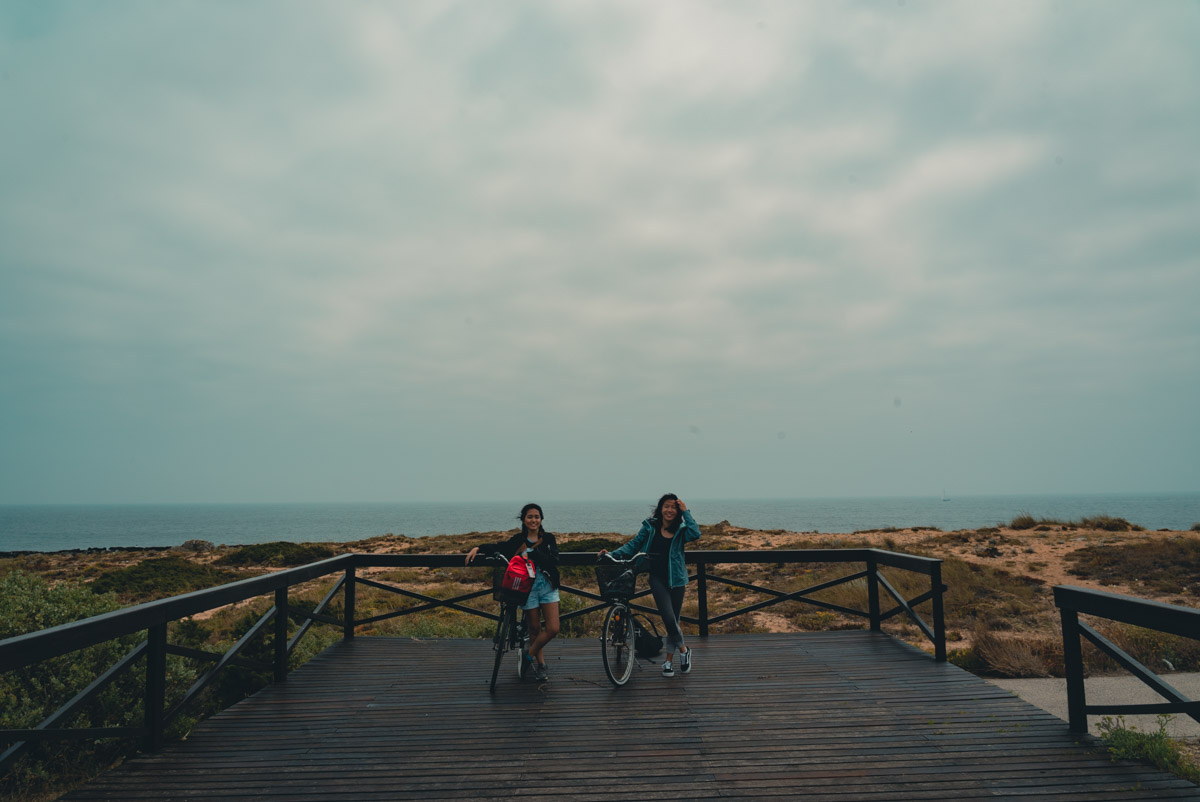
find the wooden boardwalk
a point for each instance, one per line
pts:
(824, 716)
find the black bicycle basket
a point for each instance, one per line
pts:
(614, 580)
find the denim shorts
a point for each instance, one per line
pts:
(541, 593)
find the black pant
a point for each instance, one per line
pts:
(669, 602)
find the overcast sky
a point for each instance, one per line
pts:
(377, 251)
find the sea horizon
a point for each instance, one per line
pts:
(63, 527)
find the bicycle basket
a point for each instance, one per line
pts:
(615, 581)
(502, 594)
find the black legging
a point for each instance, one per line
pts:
(669, 602)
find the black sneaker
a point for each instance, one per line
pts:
(667, 670)
(540, 673)
(685, 662)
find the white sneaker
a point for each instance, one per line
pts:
(667, 670)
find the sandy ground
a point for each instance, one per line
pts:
(1039, 554)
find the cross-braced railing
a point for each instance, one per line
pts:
(1171, 618)
(153, 618)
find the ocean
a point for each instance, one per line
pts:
(63, 527)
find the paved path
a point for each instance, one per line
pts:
(1051, 695)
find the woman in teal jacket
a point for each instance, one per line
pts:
(662, 537)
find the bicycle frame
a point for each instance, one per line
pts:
(618, 634)
(512, 631)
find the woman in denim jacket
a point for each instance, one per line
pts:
(662, 536)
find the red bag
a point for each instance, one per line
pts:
(518, 577)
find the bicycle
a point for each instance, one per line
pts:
(512, 634)
(616, 579)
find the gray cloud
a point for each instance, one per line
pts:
(391, 252)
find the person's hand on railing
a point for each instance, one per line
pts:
(495, 558)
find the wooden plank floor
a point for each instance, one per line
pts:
(823, 716)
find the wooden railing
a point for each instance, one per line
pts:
(1072, 602)
(153, 618)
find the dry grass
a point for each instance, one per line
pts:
(999, 580)
(1170, 566)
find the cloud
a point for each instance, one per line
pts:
(579, 218)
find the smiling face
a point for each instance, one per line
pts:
(533, 521)
(669, 511)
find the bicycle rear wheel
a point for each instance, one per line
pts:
(500, 641)
(616, 641)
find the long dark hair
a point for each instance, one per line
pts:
(672, 527)
(524, 511)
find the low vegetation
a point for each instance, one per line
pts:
(160, 577)
(29, 602)
(1156, 748)
(1104, 523)
(1164, 566)
(278, 554)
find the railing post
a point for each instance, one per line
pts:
(939, 619)
(873, 592)
(156, 685)
(702, 596)
(281, 637)
(348, 623)
(1073, 668)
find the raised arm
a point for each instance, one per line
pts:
(691, 530)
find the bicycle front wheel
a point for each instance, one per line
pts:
(616, 641)
(520, 643)
(500, 642)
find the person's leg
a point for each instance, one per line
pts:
(685, 654)
(538, 595)
(677, 606)
(664, 600)
(533, 621)
(546, 633)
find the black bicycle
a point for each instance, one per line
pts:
(512, 631)
(616, 580)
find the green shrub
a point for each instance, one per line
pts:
(581, 626)
(30, 694)
(160, 577)
(278, 553)
(967, 659)
(1107, 523)
(27, 696)
(1157, 748)
(815, 621)
(592, 544)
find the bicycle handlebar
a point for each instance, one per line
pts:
(612, 559)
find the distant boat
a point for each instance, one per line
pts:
(944, 496)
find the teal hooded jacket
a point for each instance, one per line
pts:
(677, 575)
